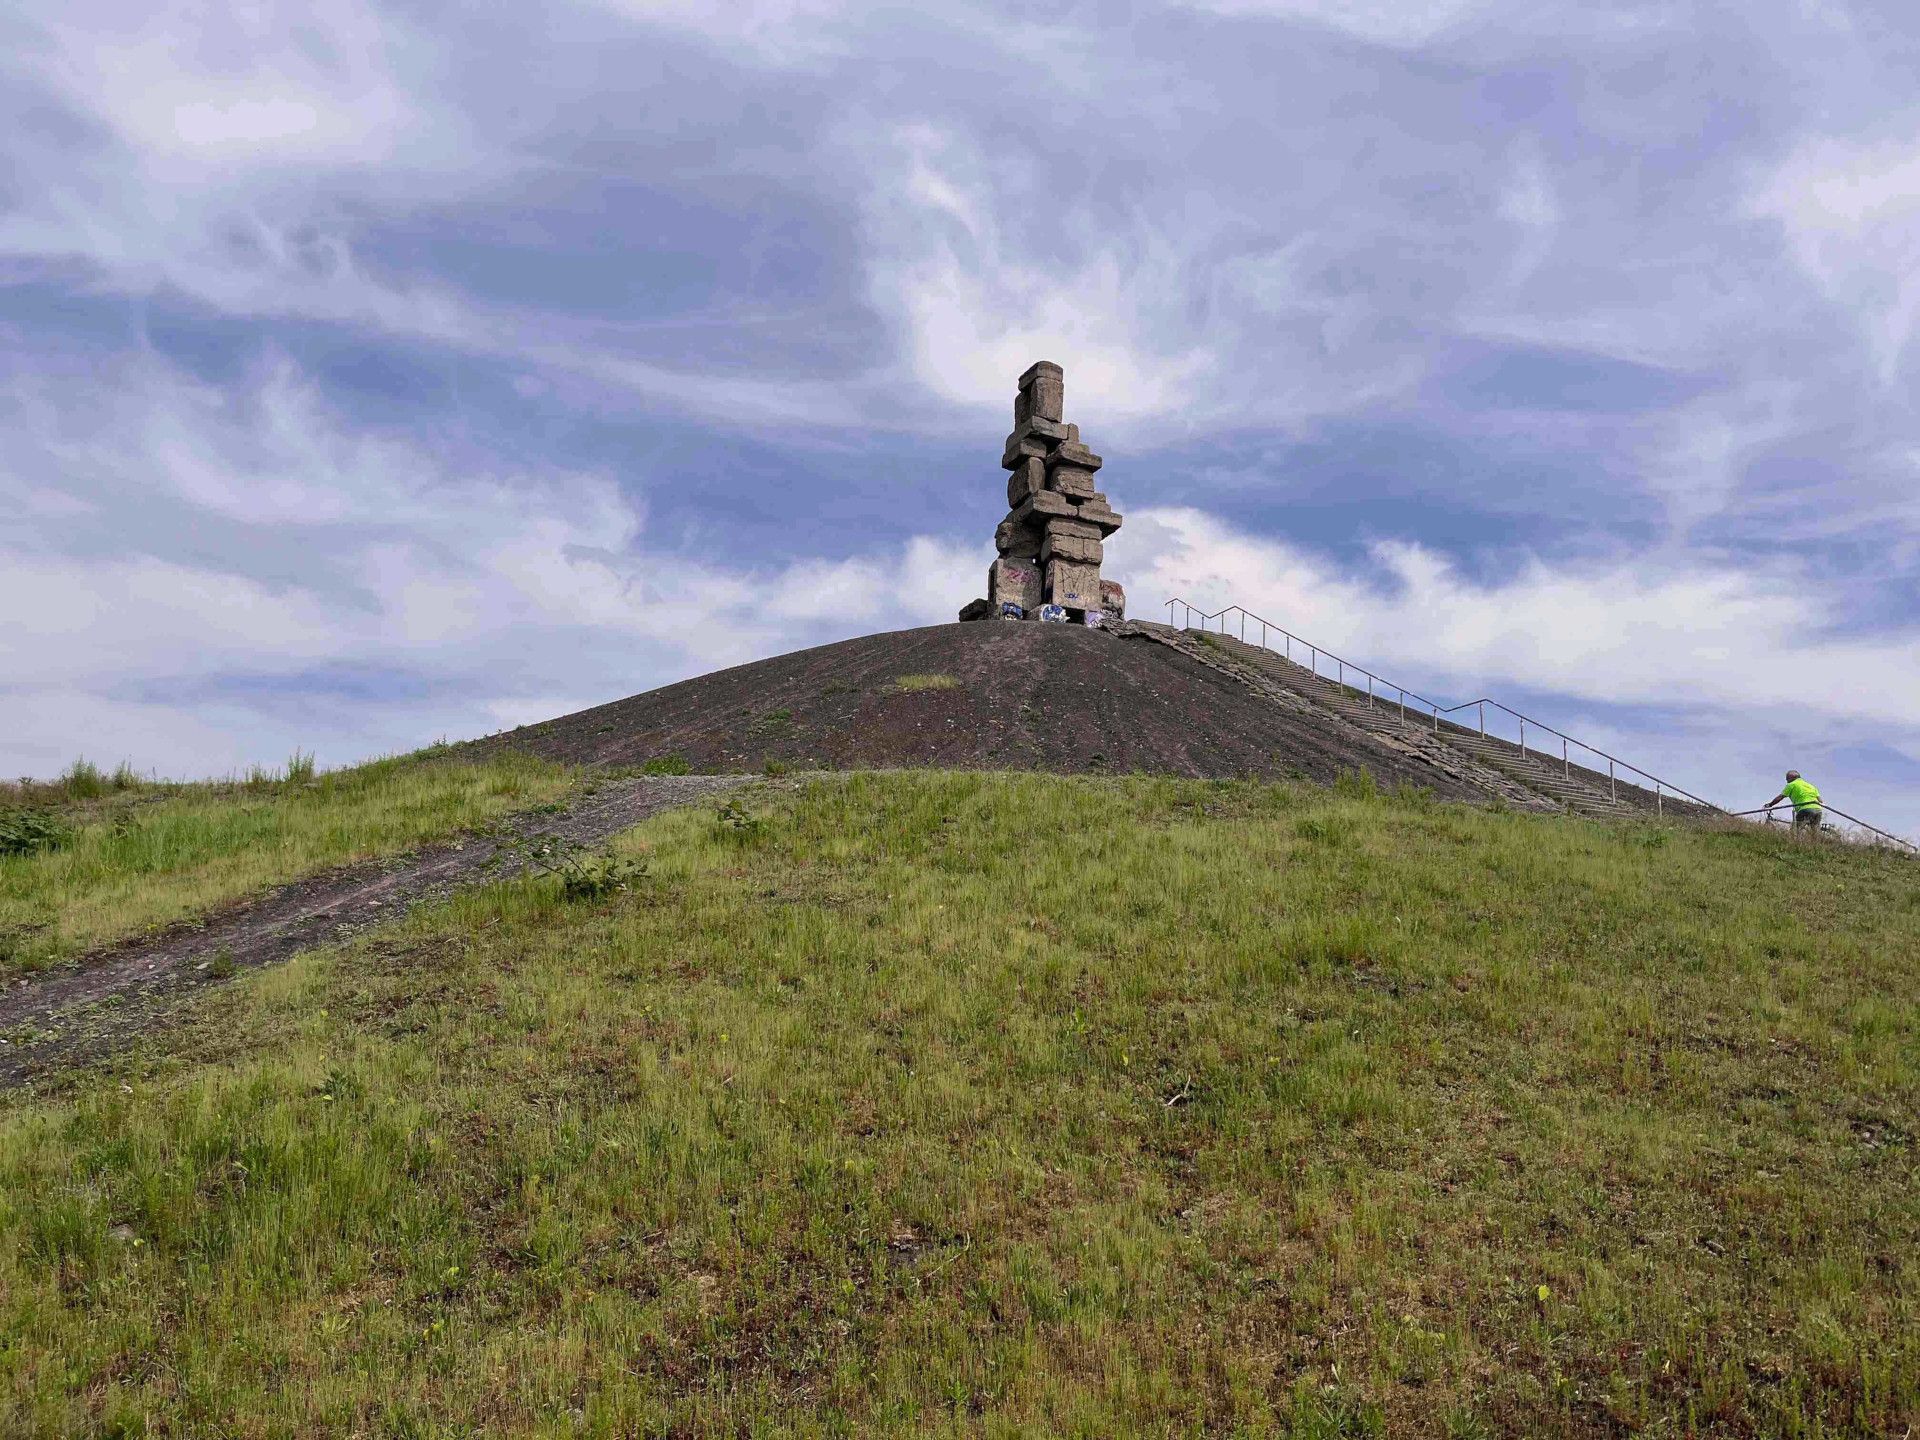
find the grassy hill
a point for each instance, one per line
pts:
(941, 1104)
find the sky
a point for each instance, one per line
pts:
(378, 372)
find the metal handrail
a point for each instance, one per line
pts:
(1661, 787)
(1875, 830)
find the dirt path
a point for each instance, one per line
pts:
(56, 1019)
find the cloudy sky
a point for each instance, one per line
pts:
(373, 372)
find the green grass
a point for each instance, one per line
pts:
(976, 1105)
(907, 684)
(145, 855)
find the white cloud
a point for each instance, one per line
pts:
(1659, 630)
(1384, 22)
(1851, 213)
(975, 309)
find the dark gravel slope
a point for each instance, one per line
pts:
(1057, 698)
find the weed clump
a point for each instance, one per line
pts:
(30, 831)
(1356, 785)
(908, 684)
(738, 823)
(584, 873)
(666, 765)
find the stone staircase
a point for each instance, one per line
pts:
(1502, 768)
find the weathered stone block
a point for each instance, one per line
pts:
(1075, 586)
(975, 610)
(1017, 541)
(1052, 431)
(1071, 481)
(1029, 447)
(1063, 525)
(1077, 548)
(1014, 582)
(1035, 509)
(1113, 600)
(1028, 475)
(1098, 513)
(1072, 452)
(1036, 370)
(1045, 396)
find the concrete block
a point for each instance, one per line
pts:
(1072, 452)
(1035, 509)
(1036, 370)
(1015, 582)
(1017, 541)
(1051, 431)
(1098, 514)
(1076, 586)
(1077, 548)
(1071, 481)
(1113, 600)
(1019, 447)
(1028, 475)
(1045, 396)
(1062, 525)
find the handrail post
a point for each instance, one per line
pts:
(1566, 765)
(1369, 689)
(1243, 627)
(1483, 719)
(1263, 636)
(1403, 707)
(1523, 737)
(1613, 787)
(1659, 804)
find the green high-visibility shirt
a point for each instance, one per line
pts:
(1802, 794)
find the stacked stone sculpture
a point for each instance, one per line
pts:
(1053, 539)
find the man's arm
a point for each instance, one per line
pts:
(1775, 801)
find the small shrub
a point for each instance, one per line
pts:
(221, 967)
(774, 766)
(737, 822)
(584, 873)
(908, 684)
(300, 767)
(123, 776)
(773, 720)
(27, 832)
(1356, 785)
(83, 780)
(666, 765)
(1414, 797)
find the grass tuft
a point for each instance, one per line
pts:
(909, 684)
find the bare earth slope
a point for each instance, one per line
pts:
(1057, 698)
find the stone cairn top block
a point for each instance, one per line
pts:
(1053, 540)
